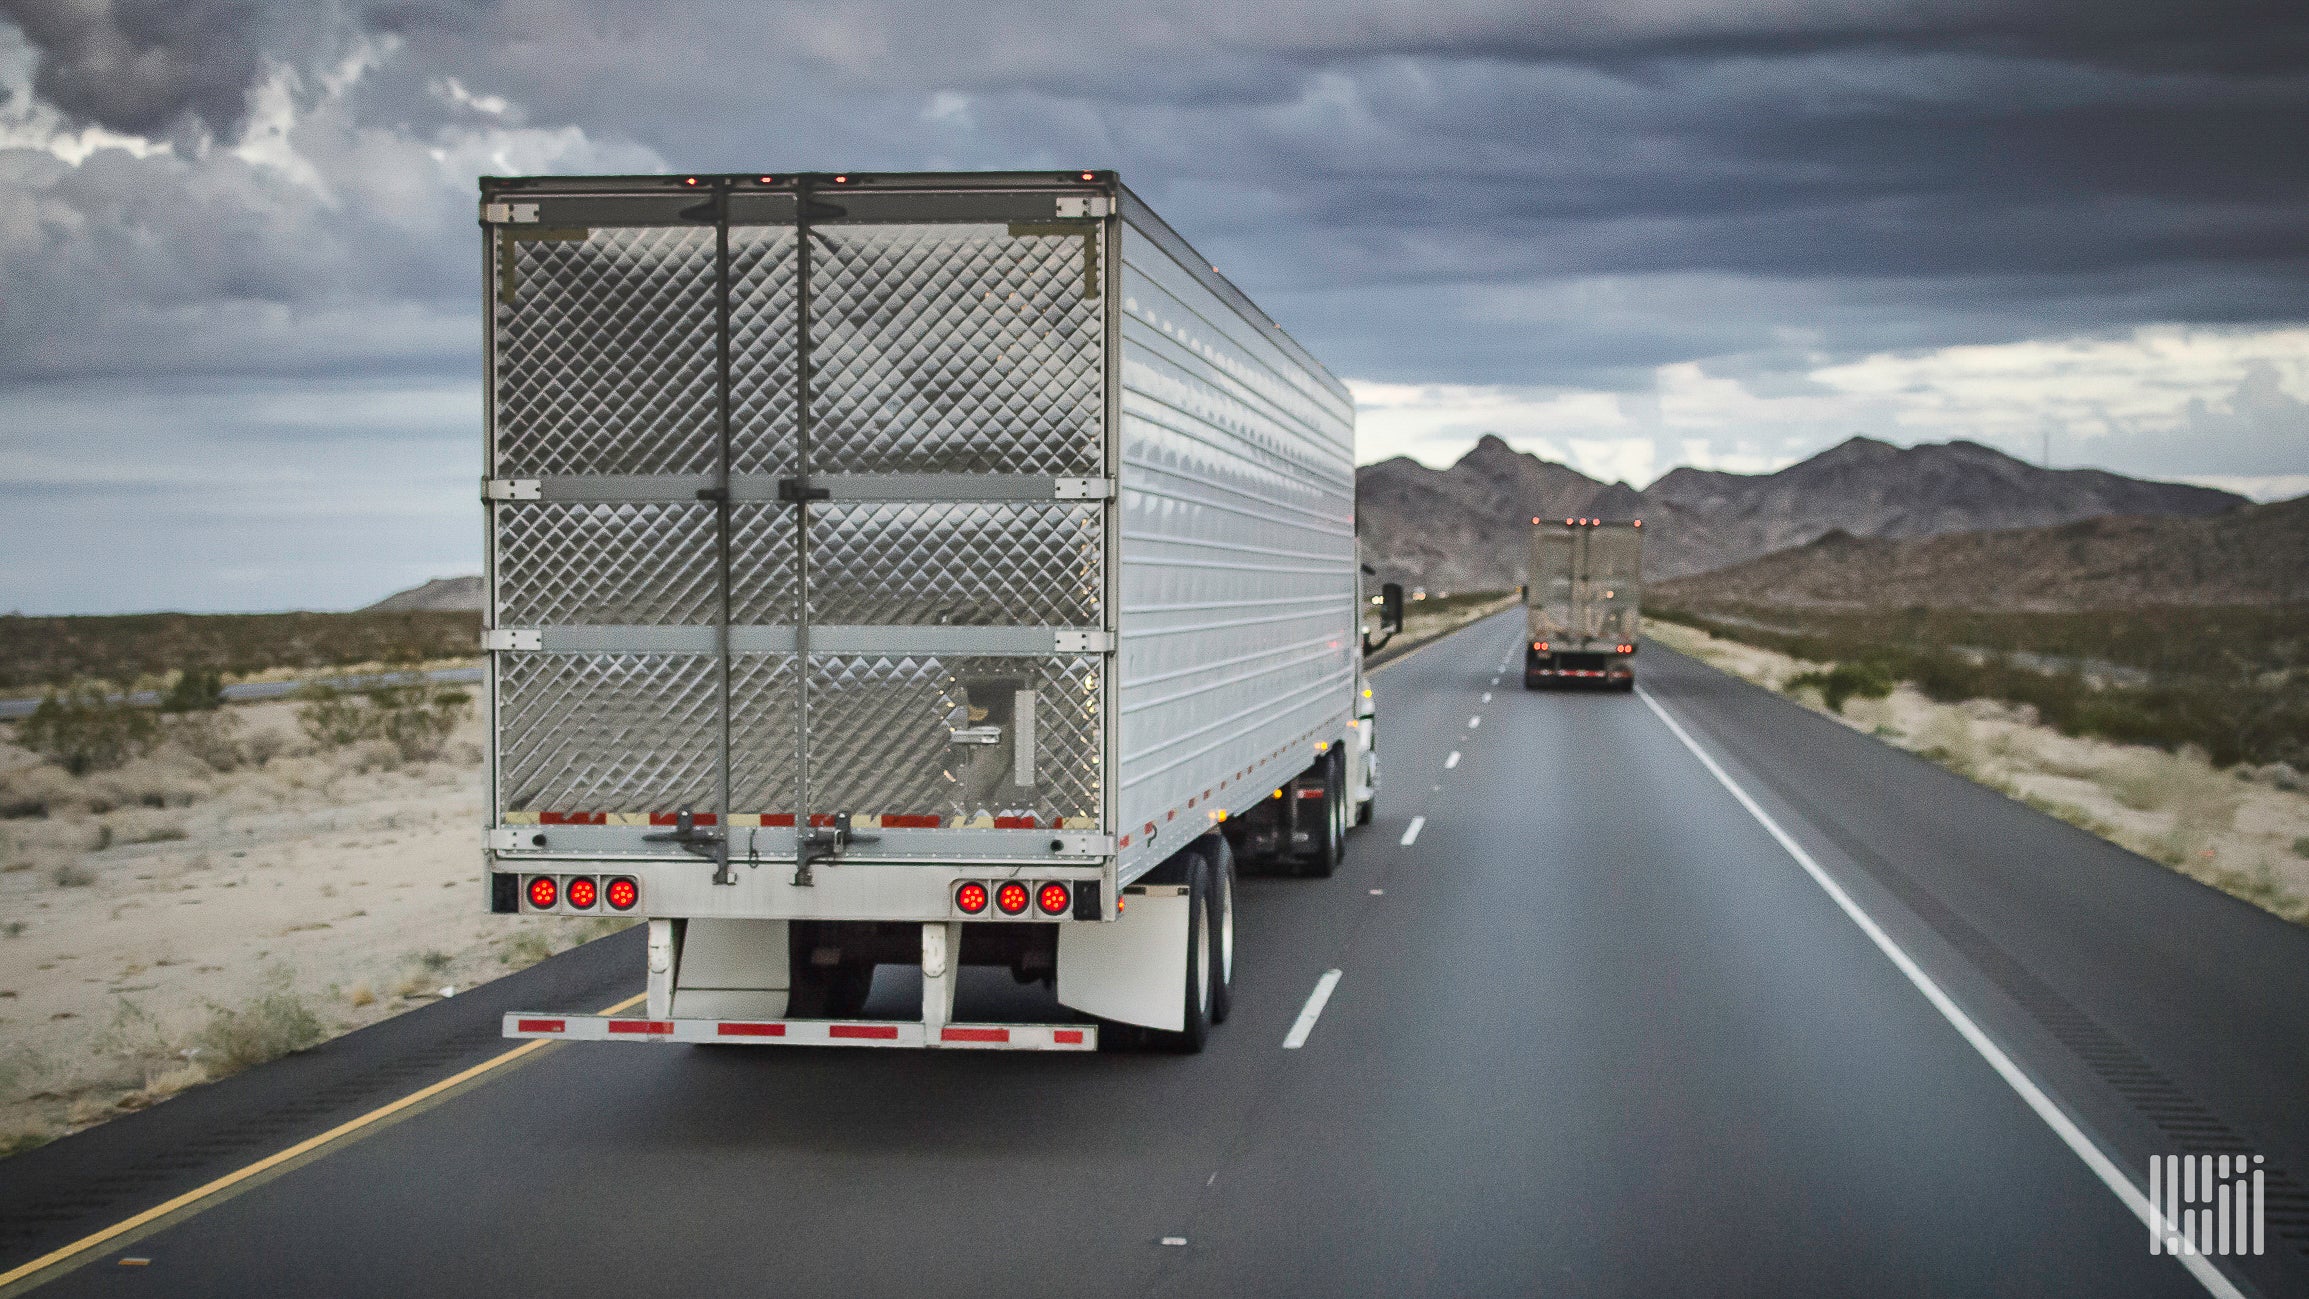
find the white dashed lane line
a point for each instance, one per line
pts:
(1487, 696)
(1313, 1011)
(1474, 722)
(1411, 834)
(1452, 761)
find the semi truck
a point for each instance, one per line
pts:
(925, 569)
(1583, 603)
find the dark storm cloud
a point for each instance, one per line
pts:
(146, 66)
(1492, 192)
(2036, 165)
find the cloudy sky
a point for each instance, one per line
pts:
(239, 335)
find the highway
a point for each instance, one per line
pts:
(1596, 1030)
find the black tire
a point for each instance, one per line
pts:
(829, 991)
(1221, 857)
(1331, 834)
(1197, 984)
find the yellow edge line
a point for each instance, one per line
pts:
(307, 1146)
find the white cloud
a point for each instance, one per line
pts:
(2161, 399)
(451, 90)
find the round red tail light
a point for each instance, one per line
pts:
(583, 893)
(970, 898)
(622, 894)
(1053, 898)
(1011, 898)
(542, 892)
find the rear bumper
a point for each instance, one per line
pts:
(803, 1032)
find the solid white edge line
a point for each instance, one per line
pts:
(2054, 1117)
(1413, 832)
(1316, 1000)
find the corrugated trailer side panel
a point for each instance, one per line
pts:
(1238, 619)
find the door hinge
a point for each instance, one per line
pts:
(1082, 642)
(498, 214)
(794, 491)
(508, 638)
(510, 489)
(1083, 489)
(1084, 205)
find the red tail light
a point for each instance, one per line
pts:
(622, 894)
(1011, 898)
(1053, 899)
(583, 893)
(542, 892)
(970, 898)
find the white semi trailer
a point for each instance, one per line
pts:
(937, 569)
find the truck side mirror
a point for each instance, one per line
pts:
(1391, 607)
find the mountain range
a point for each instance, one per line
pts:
(1465, 528)
(2255, 555)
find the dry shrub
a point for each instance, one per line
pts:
(2139, 779)
(72, 875)
(525, 948)
(2203, 799)
(37, 791)
(415, 719)
(211, 739)
(371, 755)
(1947, 738)
(275, 1023)
(361, 995)
(83, 728)
(144, 825)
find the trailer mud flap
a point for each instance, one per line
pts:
(1129, 970)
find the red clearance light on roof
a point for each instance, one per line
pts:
(1637, 524)
(841, 180)
(622, 894)
(1088, 175)
(1053, 899)
(769, 180)
(542, 892)
(689, 180)
(1011, 898)
(583, 893)
(970, 898)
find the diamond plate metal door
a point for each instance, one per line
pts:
(635, 370)
(968, 357)
(955, 349)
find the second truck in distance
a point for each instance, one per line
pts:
(1583, 603)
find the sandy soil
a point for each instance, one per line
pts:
(151, 899)
(2242, 836)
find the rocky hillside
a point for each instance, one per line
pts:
(459, 594)
(1464, 527)
(2255, 555)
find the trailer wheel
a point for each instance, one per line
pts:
(1331, 837)
(1200, 976)
(1221, 857)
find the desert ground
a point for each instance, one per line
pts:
(2242, 831)
(242, 890)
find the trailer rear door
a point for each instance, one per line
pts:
(797, 513)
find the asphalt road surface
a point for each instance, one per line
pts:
(1596, 1031)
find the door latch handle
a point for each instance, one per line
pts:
(794, 491)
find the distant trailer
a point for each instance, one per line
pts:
(1583, 603)
(906, 569)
